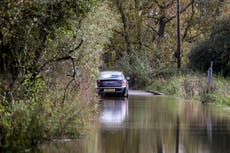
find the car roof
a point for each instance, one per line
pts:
(112, 72)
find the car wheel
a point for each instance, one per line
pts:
(125, 94)
(101, 94)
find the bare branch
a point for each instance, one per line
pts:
(154, 30)
(163, 6)
(169, 4)
(189, 23)
(67, 86)
(68, 57)
(119, 32)
(158, 4)
(182, 10)
(74, 69)
(77, 47)
(147, 46)
(191, 39)
(74, 78)
(150, 6)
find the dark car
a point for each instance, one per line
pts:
(112, 82)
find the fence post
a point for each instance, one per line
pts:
(210, 71)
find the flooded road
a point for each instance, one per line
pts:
(152, 124)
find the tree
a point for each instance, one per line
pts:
(147, 32)
(29, 32)
(216, 48)
(49, 59)
(148, 23)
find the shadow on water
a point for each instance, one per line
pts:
(148, 124)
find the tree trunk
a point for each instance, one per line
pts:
(138, 26)
(125, 26)
(161, 29)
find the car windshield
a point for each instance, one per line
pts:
(110, 76)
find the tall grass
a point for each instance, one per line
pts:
(194, 86)
(43, 117)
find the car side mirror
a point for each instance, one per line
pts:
(127, 78)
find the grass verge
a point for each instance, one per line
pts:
(194, 86)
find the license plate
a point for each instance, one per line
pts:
(109, 90)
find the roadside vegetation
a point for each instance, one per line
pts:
(51, 52)
(194, 86)
(49, 59)
(145, 47)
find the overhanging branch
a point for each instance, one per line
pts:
(77, 47)
(189, 23)
(67, 57)
(74, 78)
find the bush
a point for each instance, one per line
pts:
(194, 87)
(49, 92)
(171, 86)
(137, 67)
(28, 123)
(216, 49)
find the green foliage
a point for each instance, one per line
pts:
(137, 67)
(142, 65)
(22, 126)
(216, 49)
(96, 31)
(41, 44)
(220, 95)
(194, 86)
(26, 124)
(147, 30)
(30, 33)
(171, 86)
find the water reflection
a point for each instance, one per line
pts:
(144, 124)
(147, 127)
(113, 112)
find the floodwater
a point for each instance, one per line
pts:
(152, 124)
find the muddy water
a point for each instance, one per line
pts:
(152, 124)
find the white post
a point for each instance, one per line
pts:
(210, 70)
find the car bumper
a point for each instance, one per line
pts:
(112, 90)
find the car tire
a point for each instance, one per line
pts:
(101, 94)
(125, 94)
